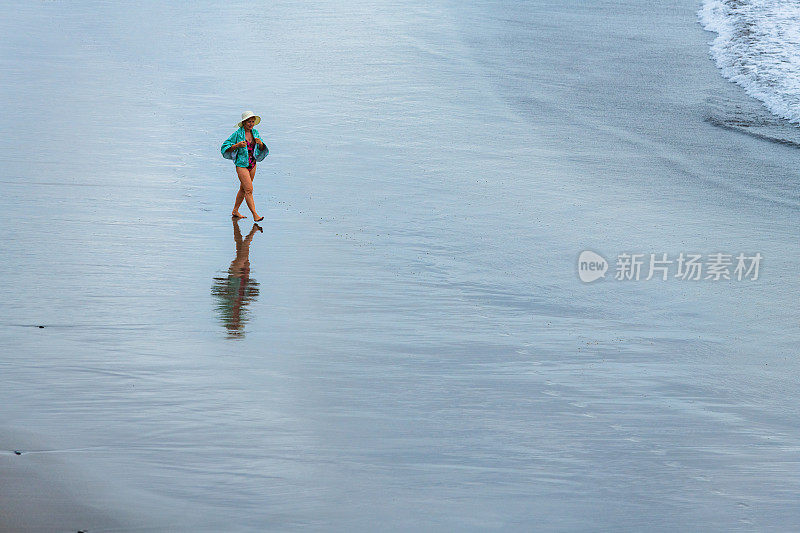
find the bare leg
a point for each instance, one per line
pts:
(247, 190)
(240, 196)
(239, 200)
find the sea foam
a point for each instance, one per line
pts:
(758, 47)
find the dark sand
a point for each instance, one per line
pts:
(410, 348)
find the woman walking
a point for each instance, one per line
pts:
(245, 148)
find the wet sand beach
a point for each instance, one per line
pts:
(407, 344)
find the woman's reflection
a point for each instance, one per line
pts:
(237, 289)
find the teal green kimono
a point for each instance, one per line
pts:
(239, 156)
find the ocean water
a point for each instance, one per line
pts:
(404, 343)
(758, 47)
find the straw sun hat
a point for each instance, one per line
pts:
(248, 114)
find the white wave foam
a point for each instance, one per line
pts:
(758, 47)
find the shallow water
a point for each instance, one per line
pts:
(757, 47)
(409, 346)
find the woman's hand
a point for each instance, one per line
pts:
(260, 143)
(240, 144)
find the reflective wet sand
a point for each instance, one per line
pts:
(417, 352)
